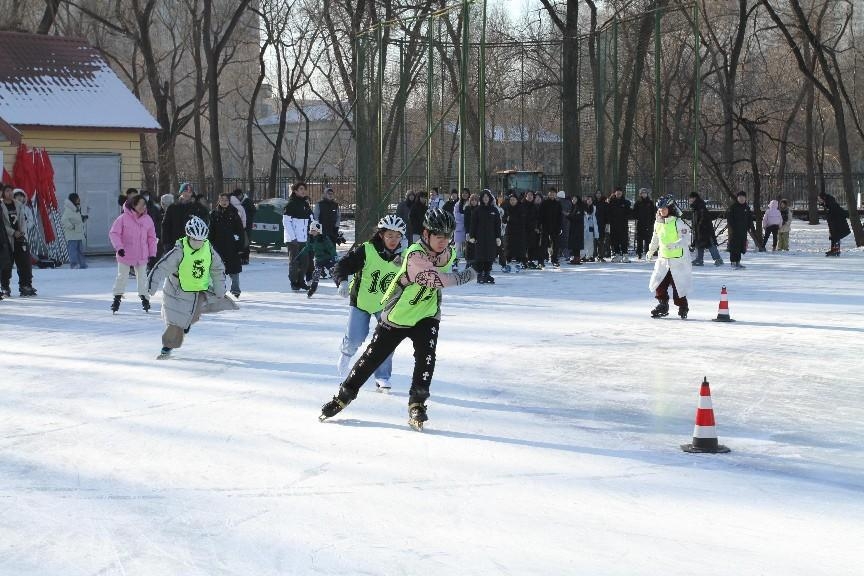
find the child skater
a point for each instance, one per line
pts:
(673, 268)
(412, 309)
(194, 279)
(322, 248)
(365, 272)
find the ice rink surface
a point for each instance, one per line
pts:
(558, 407)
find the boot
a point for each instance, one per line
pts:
(115, 305)
(25, 291)
(145, 303)
(489, 278)
(6, 291)
(661, 310)
(332, 408)
(481, 277)
(683, 309)
(718, 262)
(417, 415)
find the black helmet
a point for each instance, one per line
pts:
(438, 221)
(665, 201)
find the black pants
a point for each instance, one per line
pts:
(736, 249)
(643, 240)
(547, 240)
(21, 259)
(769, 230)
(424, 336)
(297, 265)
(662, 291)
(481, 266)
(620, 237)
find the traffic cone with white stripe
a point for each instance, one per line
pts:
(723, 311)
(704, 432)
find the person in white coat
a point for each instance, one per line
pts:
(673, 268)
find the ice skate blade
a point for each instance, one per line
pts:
(322, 418)
(415, 424)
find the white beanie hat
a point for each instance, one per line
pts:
(562, 194)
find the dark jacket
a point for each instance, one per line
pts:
(645, 213)
(298, 207)
(618, 212)
(836, 216)
(703, 225)
(403, 211)
(175, 218)
(550, 216)
(416, 217)
(5, 249)
(155, 213)
(514, 219)
(225, 224)
(576, 217)
(601, 211)
(249, 205)
(355, 259)
(468, 211)
(327, 213)
(485, 230)
(739, 218)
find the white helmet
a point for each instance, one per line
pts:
(196, 228)
(391, 222)
(316, 226)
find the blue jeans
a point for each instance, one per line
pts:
(700, 252)
(76, 254)
(355, 334)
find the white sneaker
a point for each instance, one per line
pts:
(342, 365)
(382, 385)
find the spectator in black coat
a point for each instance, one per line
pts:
(531, 211)
(155, 213)
(484, 236)
(177, 214)
(703, 233)
(550, 226)
(739, 218)
(249, 206)
(403, 211)
(326, 211)
(838, 228)
(576, 242)
(618, 214)
(468, 212)
(226, 237)
(514, 231)
(418, 213)
(646, 214)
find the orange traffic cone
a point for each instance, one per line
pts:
(723, 311)
(704, 434)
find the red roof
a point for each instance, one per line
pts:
(64, 82)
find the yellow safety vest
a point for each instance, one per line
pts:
(667, 232)
(194, 271)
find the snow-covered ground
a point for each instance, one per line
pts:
(557, 411)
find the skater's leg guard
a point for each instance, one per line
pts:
(172, 337)
(424, 336)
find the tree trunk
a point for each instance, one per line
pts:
(48, 16)
(571, 132)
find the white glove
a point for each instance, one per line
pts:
(471, 240)
(342, 289)
(497, 242)
(236, 237)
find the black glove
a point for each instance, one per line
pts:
(121, 252)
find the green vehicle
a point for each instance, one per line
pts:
(520, 180)
(267, 230)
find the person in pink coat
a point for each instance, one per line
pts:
(133, 236)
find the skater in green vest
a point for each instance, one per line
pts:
(365, 273)
(323, 250)
(673, 267)
(412, 309)
(194, 283)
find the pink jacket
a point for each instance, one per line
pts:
(772, 216)
(135, 235)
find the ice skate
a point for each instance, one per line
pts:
(697, 263)
(236, 294)
(312, 288)
(145, 304)
(332, 408)
(115, 305)
(489, 278)
(26, 291)
(682, 312)
(164, 354)
(417, 416)
(382, 385)
(6, 291)
(718, 262)
(661, 310)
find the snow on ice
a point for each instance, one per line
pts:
(558, 407)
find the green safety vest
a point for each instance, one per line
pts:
(194, 271)
(375, 278)
(416, 302)
(668, 233)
